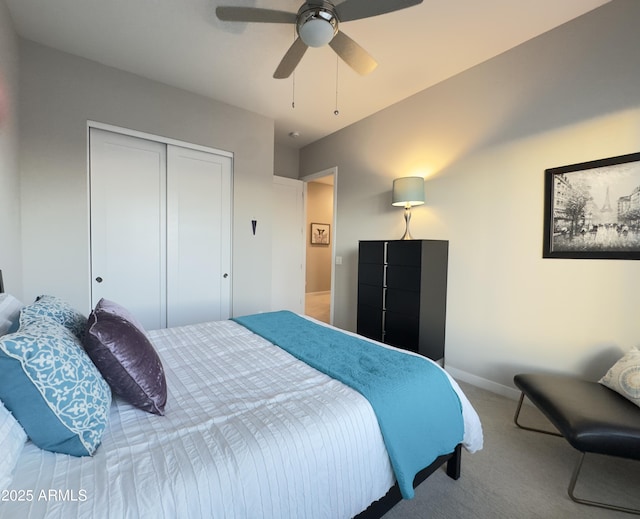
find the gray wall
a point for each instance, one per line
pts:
(483, 139)
(286, 161)
(58, 94)
(10, 242)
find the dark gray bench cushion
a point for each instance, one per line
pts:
(591, 417)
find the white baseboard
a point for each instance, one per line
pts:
(483, 383)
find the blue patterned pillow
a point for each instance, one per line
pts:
(53, 389)
(56, 309)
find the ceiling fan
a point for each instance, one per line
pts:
(317, 23)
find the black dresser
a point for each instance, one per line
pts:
(402, 294)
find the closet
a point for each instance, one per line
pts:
(160, 223)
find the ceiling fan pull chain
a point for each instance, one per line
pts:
(293, 77)
(336, 111)
(293, 90)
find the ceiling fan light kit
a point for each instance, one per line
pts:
(316, 26)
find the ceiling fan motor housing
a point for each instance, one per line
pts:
(317, 24)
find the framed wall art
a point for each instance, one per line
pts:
(592, 209)
(320, 233)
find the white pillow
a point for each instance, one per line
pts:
(9, 312)
(12, 439)
(624, 376)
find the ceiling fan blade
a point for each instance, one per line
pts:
(291, 59)
(354, 55)
(357, 9)
(253, 14)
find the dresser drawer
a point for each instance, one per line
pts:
(370, 322)
(402, 331)
(403, 278)
(371, 252)
(407, 253)
(371, 274)
(403, 302)
(371, 295)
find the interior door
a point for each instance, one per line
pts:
(287, 278)
(198, 236)
(128, 229)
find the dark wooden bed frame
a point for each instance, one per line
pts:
(380, 507)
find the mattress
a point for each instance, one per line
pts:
(248, 431)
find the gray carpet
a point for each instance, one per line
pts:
(522, 474)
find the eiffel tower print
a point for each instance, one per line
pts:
(606, 208)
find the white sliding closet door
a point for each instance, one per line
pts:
(198, 236)
(160, 229)
(128, 224)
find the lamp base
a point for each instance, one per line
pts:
(407, 219)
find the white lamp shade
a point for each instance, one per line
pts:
(408, 191)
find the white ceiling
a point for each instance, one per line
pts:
(182, 43)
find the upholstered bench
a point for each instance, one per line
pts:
(591, 417)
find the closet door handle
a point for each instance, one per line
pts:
(225, 275)
(99, 279)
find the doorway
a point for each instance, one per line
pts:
(320, 249)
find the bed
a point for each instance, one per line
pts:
(248, 430)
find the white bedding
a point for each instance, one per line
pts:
(267, 437)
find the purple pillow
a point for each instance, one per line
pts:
(117, 344)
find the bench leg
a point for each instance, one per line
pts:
(572, 486)
(515, 420)
(576, 471)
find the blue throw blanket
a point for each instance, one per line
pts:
(418, 411)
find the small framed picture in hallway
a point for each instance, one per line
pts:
(320, 233)
(592, 209)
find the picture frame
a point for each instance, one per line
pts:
(320, 234)
(592, 209)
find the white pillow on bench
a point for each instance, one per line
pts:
(624, 376)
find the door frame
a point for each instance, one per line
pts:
(310, 178)
(154, 137)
